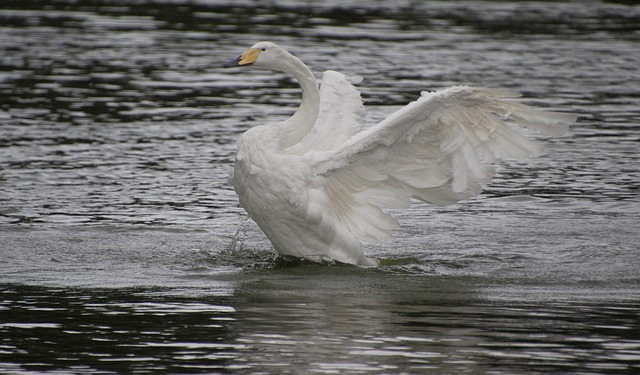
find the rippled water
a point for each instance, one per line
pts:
(123, 249)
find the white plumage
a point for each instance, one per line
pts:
(318, 183)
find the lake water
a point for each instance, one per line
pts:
(123, 250)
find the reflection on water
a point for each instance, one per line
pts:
(123, 249)
(266, 326)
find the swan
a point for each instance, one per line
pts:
(319, 184)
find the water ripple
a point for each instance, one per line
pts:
(118, 130)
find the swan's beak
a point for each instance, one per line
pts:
(247, 58)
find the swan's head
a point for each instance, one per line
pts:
(261, 55)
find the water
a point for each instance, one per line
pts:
(124, 250)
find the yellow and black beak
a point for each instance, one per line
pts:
(247, 58)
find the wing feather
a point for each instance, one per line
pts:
(341, 115)
(438, 149)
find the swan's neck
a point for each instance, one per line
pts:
(300, 124)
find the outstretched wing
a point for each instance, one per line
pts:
(437, 149)
(341, 115)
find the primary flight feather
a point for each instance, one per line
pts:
(318, 184)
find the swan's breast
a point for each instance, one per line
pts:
(266, 180)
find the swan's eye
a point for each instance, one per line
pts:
(263, 49)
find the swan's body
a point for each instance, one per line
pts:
(318, 183)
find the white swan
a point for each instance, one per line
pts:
(318, 183)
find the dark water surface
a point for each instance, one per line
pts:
(123, 250)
